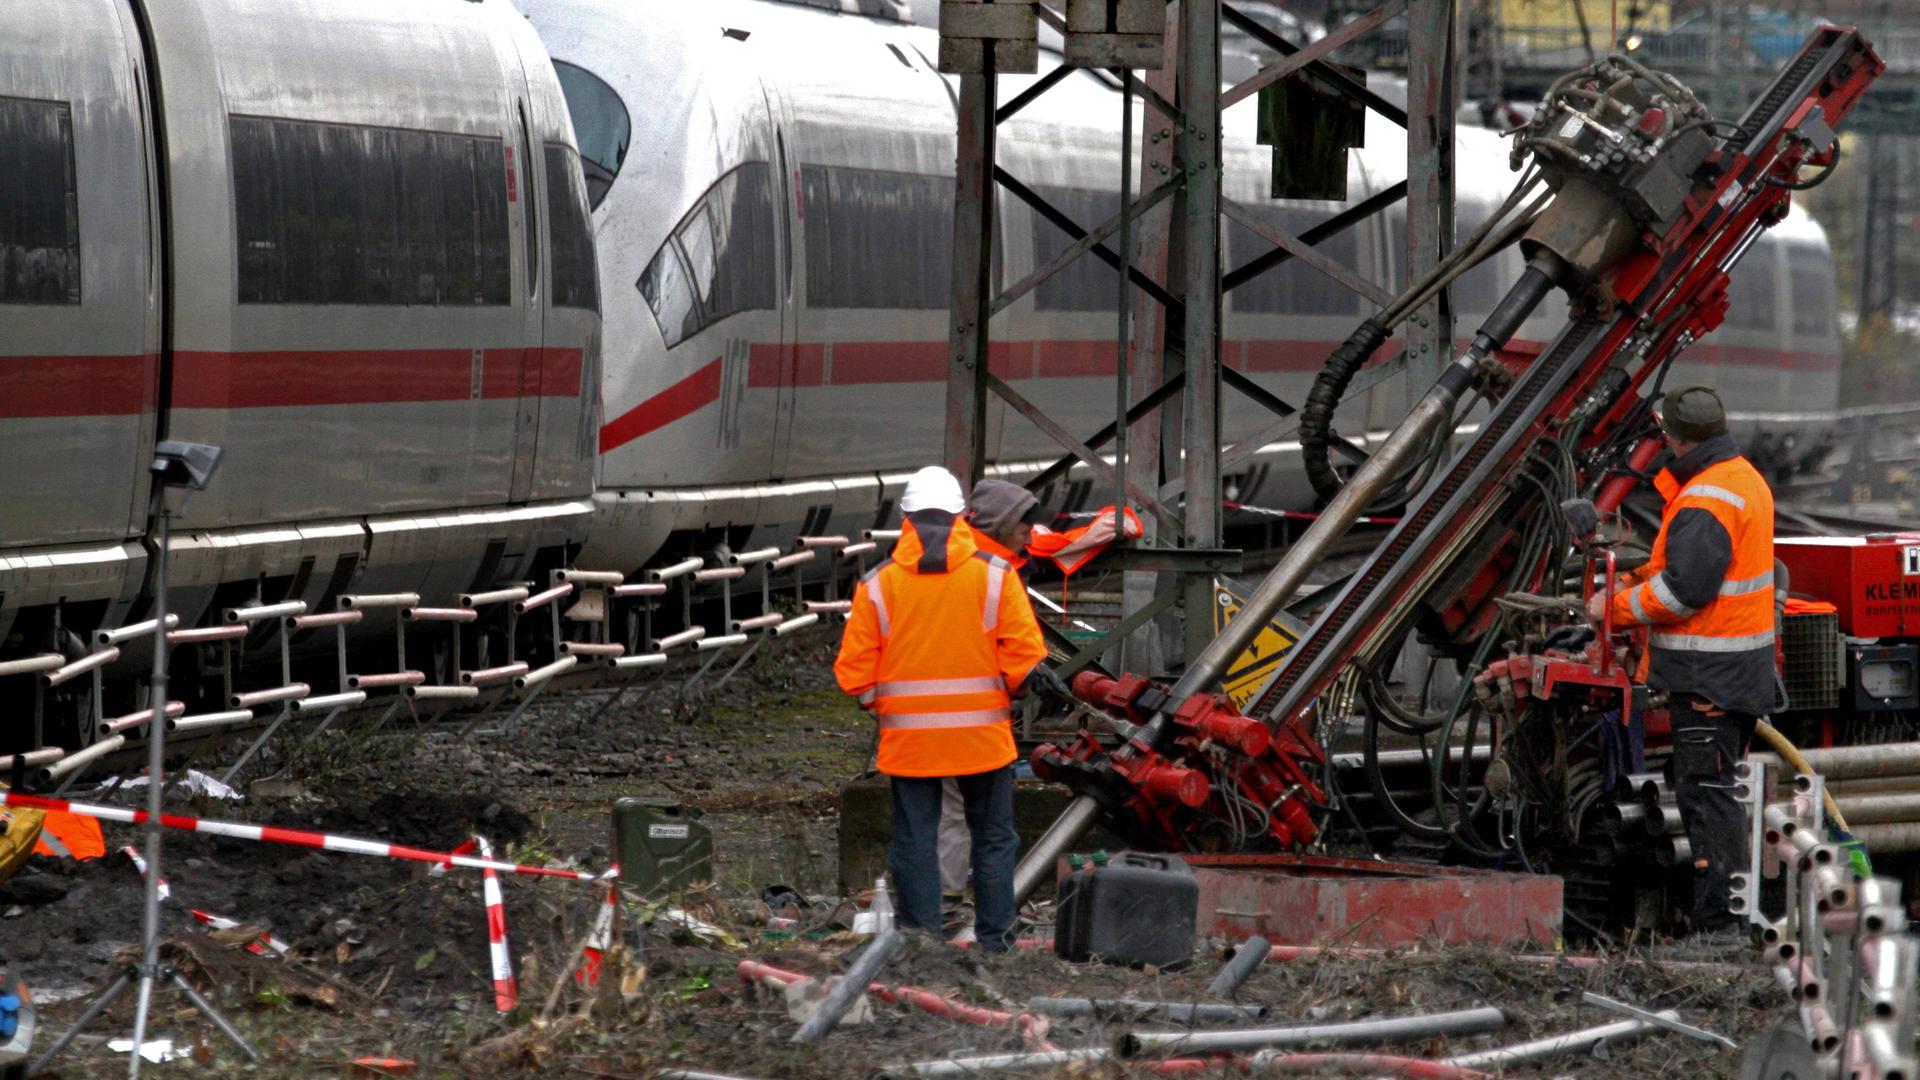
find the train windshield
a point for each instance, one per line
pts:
(600, 125)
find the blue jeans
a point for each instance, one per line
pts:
(914, 859)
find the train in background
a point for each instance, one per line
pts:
(775, 243)
(345, 240)
(353, 243)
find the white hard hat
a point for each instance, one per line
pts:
(933, 488)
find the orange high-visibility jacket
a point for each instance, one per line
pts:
(66, 835)
(939, 638)
(1707, 593)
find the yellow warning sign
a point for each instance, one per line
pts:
(1251, 669)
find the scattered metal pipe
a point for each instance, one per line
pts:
(81, 666)
(32, 759)
(696, 1074)
(200, 635)
(1128, 1010)
(384, 679)
(264, 611)
(330, 618)
(674, 641)
(544, 672)
(289, 692)
(785, 562)
(684, 566)
(442, 693)
(135, 719)
(541, 599)
(848, 989)
(132, 630)
(1241, 964)
(990, 1063)
(489, 676)
(1573, 1042)
(75, 760)
(494, 596)
(749, 558)
(1459, 1022)
(589, 577)
(798, 622)
(31, 665)
(378, 600)
(592, 648)
(330, 701)
(438, 614)
(651, 588)
(1407, 1068)
(1635, 1012)
(209, 721)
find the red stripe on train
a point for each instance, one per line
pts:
(49, 386)
(682, 398)
(309, 377)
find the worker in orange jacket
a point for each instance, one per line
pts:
(1707, 597)
(940, 639)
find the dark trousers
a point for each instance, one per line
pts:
(1705, 751)
(914, 858)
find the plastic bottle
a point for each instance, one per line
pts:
(882, 906)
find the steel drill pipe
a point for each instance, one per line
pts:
(1129, 1010)
(1857, 762)
(1573, 1042)
(848, 990)
(991, 1063)
(1240, 966)
(1458, 1022)
(1891, 838)
(1412, 439)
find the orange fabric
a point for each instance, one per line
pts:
(936, 655)
(1072, 549)
(1797, 606)
(1738, 497)
(80, 836)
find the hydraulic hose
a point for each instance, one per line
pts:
(1316, 419)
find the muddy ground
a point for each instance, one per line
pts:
(390, 961)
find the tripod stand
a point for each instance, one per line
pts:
(187, 466)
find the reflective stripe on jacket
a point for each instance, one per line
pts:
(1707, 592)
(939, 638)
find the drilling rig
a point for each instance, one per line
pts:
(1636, 204)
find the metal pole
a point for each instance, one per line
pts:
(1241, 966)
(1173, 1012)
(1430, 179)
(834, 1006)
(972, 277)
(1573, 1042)
(1459, 1022)
(1200, 250)
(1122, 391)
(156, 769)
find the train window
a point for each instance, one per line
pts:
(1088, 283)
(877, 239)
(39, 204)
(576, 278)
(1293, 287)
(341, 214)
(1810, 274)
(725, 257)
(669, 292)
(600, 125)
(1750, 297)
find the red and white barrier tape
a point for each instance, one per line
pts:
(601, 938)
(140, 864)
(273, 834)
(467, 848)
(506, 992)
(258, 947)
